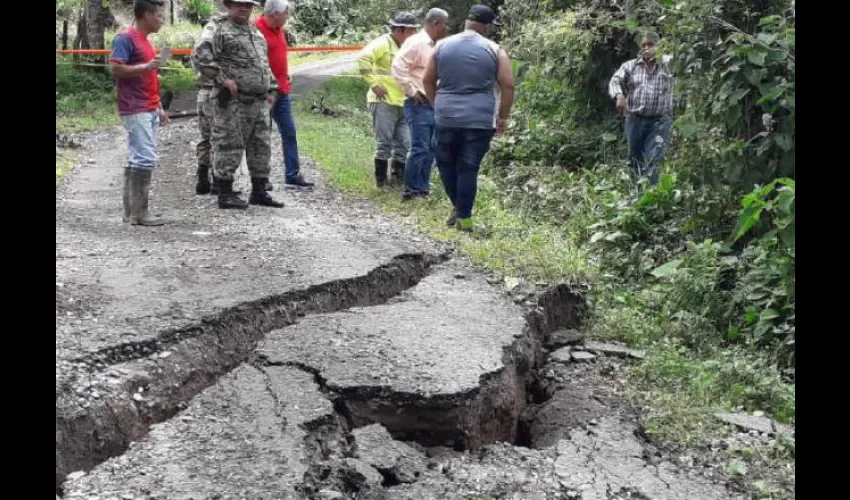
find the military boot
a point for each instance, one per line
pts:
(215, 189)
(259, 194)
(203, 184)
(227, 198)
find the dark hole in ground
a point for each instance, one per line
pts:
(390, 477)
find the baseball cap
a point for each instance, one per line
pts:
(482, 14)
(404, 19)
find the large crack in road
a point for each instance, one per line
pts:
(319, 351)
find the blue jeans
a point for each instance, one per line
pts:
(282, 114)
(648, 139)
(459, 155)
(417, 172)
(141, 138)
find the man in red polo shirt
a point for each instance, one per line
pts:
(135, 68)
(270, 24)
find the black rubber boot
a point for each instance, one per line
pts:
(259, 195)
(203, 184)
(397, 176)
(381, 167)
(227, 199)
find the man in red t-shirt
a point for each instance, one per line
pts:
(135, 68)
(270, 24)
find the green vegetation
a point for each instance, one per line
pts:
(199, 11)
(64, 164)
(84, 97)
(699, 271)
(85, 94)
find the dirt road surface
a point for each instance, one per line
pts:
(317, 351)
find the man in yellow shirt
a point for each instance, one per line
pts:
(386, 98)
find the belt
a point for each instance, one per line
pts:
(242, 97)
(649, 117)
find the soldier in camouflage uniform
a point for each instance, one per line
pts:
(205, 112)
(232, 54)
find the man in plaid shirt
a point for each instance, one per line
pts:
(643, 91)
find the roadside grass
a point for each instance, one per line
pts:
(677, 389)
(343, 146)
(64, 164)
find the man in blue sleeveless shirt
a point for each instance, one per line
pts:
(461, 81)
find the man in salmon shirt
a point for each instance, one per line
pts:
(135, 68)
(271, 24)
(408, 68)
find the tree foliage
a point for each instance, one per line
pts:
(715, 238)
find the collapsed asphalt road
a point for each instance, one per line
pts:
(317, 351)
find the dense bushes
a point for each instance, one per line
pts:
(705, 261)
(349, 20)
(199, 11)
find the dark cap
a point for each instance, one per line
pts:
(482, 14)
(404, 19)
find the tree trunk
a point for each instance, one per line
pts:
(81, 41)
(95, 25)
(64, 34)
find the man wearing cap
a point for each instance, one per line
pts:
(642, 90)
(233, 55)
(408, 68)
(386, 98)
(271, 24)
(461, 81)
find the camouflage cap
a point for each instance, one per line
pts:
(252, 2)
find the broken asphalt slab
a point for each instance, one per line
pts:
(148, 317)
(603, 462)
(249, 436)
(756, 423)
(433, 365)
(396, 461)
(564, 337)
(610, 349)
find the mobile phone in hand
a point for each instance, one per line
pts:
(164, 54)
